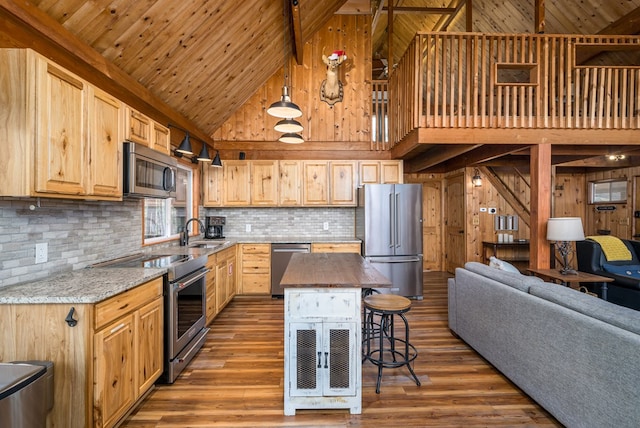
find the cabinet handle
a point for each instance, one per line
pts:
(69, 319)
(118, 327)
(326, 360)
(319, 360)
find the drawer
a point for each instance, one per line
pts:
(335, 248)
(326, 303)
(256, 284)
(124, 303)
(262, 265)
(256, 249)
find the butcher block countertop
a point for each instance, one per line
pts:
(346, 270)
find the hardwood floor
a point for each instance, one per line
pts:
(237, 379)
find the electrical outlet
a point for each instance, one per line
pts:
(325, 225)
(247, 228)
(42, 252)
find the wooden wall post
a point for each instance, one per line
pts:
(540, 164)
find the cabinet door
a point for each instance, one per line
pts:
(211, 289)
(149, 340)
(212, 186)
(305, 357)
(114, 386)
(106, 123)
(290, 193)
(264, 183)
(391, 172)
(315, 183)
(138, 128)
(255, 269)
(221, 285)
(368, 172)
(335, 248)
(342, 182)
(160, 138)
(60, 143)
(236, 183)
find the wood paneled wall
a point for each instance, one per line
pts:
(348, 121)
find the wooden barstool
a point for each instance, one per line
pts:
(387, 306)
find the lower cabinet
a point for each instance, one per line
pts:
(326, 247)
(210, 304)
(225, 277)
(323, 367)
(103, 363)
(254, 269)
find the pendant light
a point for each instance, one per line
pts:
(291, 138)
(185, 145)
(204, 154)
(285, 108)
(217, 163)
(288, 125)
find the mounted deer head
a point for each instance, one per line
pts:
(331, 89)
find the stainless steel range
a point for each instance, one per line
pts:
(184, 305)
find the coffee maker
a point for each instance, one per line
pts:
(215, 227)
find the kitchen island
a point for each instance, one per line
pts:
(323, 329)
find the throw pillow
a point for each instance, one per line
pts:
(502, 265)
(626, 270)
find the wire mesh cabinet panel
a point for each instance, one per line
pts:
(322, 347)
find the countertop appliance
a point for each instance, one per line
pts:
(26, 393)
(148, 173)
(280, 256)
(184, 305)
(389, 223)
(215, 227)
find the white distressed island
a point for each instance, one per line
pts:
(322, 327)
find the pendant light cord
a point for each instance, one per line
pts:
(284, 42)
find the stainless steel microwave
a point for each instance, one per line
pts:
(148, 173)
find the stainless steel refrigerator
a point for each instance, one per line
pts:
(389, 223)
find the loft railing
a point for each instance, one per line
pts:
(379, 115)
(471, 80)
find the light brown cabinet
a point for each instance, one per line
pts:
(211, 186)
(128, 349)
(380, 172)
(335, 247)
(225, 277)
(66, 136)
(104, 364)
(264, 183)
(290, 189)
(315, 183)
(342, 182)
(210, 303)
(236, 188)
(254, 267)
(143, 130)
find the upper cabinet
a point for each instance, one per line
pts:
(264, 182)
(211, 186)
(289, 183)
(62, 137)
(380, 172)
(236, 189)
(315, 182)
(342, 181)
(143, 130)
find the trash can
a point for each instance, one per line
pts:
(26, 393)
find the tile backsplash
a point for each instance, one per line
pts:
(81, 233)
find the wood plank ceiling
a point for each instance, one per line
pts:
(205, 58)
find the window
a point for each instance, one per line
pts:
(163, 219)
(608, 191)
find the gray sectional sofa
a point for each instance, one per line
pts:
(576, 355)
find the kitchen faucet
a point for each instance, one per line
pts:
(184, 239)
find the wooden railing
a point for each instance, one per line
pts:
(380, 115)
(471, 80)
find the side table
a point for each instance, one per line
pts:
(555, 276)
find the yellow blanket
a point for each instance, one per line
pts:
(613, 248)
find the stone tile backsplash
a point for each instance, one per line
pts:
(81, 233)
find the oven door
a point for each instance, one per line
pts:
(186, 310)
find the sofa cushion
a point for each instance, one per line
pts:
(622, 269)
(619, 316)
(512, 279)
(495, 262)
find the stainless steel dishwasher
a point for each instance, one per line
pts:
(280, 256)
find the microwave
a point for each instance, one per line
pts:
(148, 173)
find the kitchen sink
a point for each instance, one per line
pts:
(207, 243)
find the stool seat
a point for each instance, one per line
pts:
(387, 302)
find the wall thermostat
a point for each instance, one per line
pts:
(492, 210)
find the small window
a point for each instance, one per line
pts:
(164, 218)
(608, 191)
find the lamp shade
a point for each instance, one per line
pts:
(216, 160)
(565, 229)
(204, 154)
(288, 125)
(185, 146)
(291, 138)
(284, 108)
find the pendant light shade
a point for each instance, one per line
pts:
(185, 146)
(288, 125)
(284, 108)
(204, 154)
(216, 160)
(291, 138)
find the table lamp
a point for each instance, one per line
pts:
(564, 231)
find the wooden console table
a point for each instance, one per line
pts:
(323, 329)
(496, 246)
(555, 276)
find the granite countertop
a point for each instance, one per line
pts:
(92, 285)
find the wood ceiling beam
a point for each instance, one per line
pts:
(539, 23)
(484, 154)
(435, 156)
(444, 21)
(298, 45)
(468, 14)
(377, 11)
(404, 10)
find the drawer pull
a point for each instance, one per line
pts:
(69, 319)
(118, 327)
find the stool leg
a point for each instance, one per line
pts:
(406, 349)
(383, 325)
